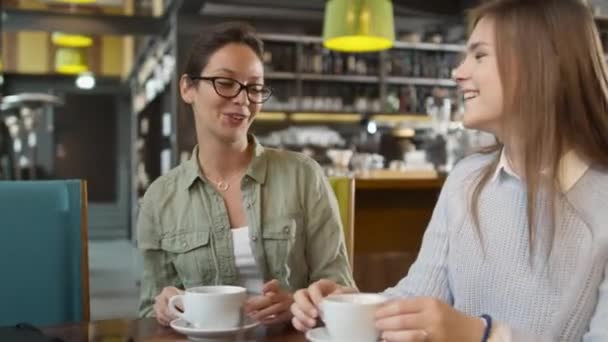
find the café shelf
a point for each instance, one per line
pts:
(303, 73)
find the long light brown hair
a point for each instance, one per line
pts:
(555, 89)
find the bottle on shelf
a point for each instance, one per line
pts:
(317, 60)
(416, 64)
(351, 64)
(306, 60)
(327, 60)
(338, 63)
(361, 66)
(267, 59)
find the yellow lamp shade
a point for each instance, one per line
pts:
(70, 61)
(358, 25)
(71, 40)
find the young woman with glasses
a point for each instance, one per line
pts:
(236, 212)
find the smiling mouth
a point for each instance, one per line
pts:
(236, 116)
(470, 94)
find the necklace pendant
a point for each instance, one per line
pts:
(222, 186)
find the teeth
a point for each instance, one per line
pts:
(470, 95)
(237, 116)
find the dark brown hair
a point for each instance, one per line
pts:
(223, 34)
(551, 64)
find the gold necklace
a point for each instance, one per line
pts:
(221, 185)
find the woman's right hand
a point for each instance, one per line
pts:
(305, 308)
(161, 305)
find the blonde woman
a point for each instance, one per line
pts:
(517, 249)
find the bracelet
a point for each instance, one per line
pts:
(486, 332)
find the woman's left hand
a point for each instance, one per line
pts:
(272, 306)
(426, 319)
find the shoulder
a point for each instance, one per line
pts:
(589, 198)
(158, 205)
(293, 161)
(591, 191)
(468, 169)
(595, 180)
(165, 186)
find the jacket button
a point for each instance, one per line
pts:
(254, 238)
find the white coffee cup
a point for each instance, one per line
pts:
(211, 307)
(350, 317)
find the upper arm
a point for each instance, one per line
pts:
(598, 327)
(158, 273)
(428, 275)
(158, 270)
(325, 247)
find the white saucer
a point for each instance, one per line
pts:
(209, 334)
(319, 334)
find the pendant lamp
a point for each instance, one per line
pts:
(358, 25)
(70, 61)
(71, 40)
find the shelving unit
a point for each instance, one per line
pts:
(343, 81)
(431, 82)
(154, 89)
(340, 78)
(429, 47)
(602, 22)
(277, 75)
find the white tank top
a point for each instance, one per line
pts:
(250, 275)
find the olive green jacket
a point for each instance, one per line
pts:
(296, 234)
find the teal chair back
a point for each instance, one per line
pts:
(43, 252)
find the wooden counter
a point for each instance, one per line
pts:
(404, 184)
(391, 216)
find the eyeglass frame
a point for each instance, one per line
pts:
(241, 87)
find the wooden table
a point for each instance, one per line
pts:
(125, 330)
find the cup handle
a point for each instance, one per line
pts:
(321, 310)
(173, 306)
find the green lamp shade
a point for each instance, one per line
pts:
(358, 25)
(70, 61)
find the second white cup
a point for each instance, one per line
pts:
(350, 317)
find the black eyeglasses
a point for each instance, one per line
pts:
(230, 88)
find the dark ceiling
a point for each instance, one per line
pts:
(306, 16)
(444, 7)
(401, 7)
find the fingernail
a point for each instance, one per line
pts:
(311, 322)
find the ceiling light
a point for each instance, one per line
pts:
(85, 80)
(358, 25)
(71, 40)
(70, 61)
